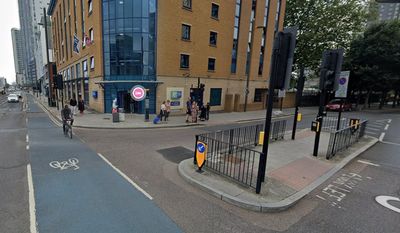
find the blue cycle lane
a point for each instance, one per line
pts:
(77, 191)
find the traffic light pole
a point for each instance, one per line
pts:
(299, 93)
(320, 114)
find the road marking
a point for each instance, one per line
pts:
(320, 197)
(390, 121)
(27, 147)
(27, 138)
(381, 137)
(391, 143)
(373, 129)
(383, 200)
(32, 205)
(63, 165)
(126, 177)
(386, 127)
(368, 163)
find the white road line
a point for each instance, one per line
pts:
(382, 136)
(368, 128)
(32, 205)
(126, 177)
(391, 143)
(320, 197)
(387, 127)
(368, 163)
(27, 138)
(389, 121)
(374, 126)
(27, 147)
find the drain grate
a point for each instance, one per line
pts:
(176, 154)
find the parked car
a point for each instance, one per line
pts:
(334, 105)
(12, 98)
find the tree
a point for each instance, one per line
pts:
(324, 24)
(375, 58)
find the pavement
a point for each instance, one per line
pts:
(292, 173)
(93, 120)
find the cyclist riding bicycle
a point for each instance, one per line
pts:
(66, 115)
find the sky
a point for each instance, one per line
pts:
(8, 19)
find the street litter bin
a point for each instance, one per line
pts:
(115, 117)
(121, 114)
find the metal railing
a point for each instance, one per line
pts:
(248, 136)
(329, 123)
(236, 162)
(344, 138)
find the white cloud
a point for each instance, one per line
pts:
(8, 19)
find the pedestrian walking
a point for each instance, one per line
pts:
(81, 105)
(163, 109)
(208, 111)
(195, 110)
(188, 109)
(167, 109)
(73, 103)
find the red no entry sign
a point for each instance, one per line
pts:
(138, 93)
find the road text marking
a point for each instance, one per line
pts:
(383, 200)
(126, 177)
(32, 205)
(386, 127)
(63, 165)
(368, 163)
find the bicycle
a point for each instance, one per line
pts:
(68, 128)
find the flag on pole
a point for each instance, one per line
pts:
(77, 44)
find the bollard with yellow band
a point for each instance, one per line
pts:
(201, 153)
(261, 138)
(299, 117)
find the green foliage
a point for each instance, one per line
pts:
(375, 57)
(324, 24)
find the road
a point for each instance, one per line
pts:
(136, 187)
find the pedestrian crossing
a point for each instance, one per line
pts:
(376, 127)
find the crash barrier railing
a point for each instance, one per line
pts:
(329, 123)
(236, 162)
(344, 138)
(249, 136)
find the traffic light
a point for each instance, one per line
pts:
(330, 69)
(285, 43)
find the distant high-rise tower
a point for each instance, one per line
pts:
(18, 49)
(389, 11)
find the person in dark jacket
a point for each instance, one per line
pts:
(208, 111)
(73, 104)
(81, 105)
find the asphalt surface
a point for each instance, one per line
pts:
(95, 198)
(14, 213)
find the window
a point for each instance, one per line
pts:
(91, 63)
(258, 94)
(185, 32)
(214, 10)
(187, 4)
(91, 35)
(90, 4)
(235, 36)
(211, 64)
(215, 96)
(213, 38)
(184, 61)
(85, 68)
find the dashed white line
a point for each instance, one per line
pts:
(390, 121)
(126, 177)
(27, 138)
(368, 163)
(386, 127)
(27, 147)
(373, 129)
(381, 137)
(32, 205)
(320, 197)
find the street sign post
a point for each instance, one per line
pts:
(341, 92)
(201, 152)
(138, 93)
